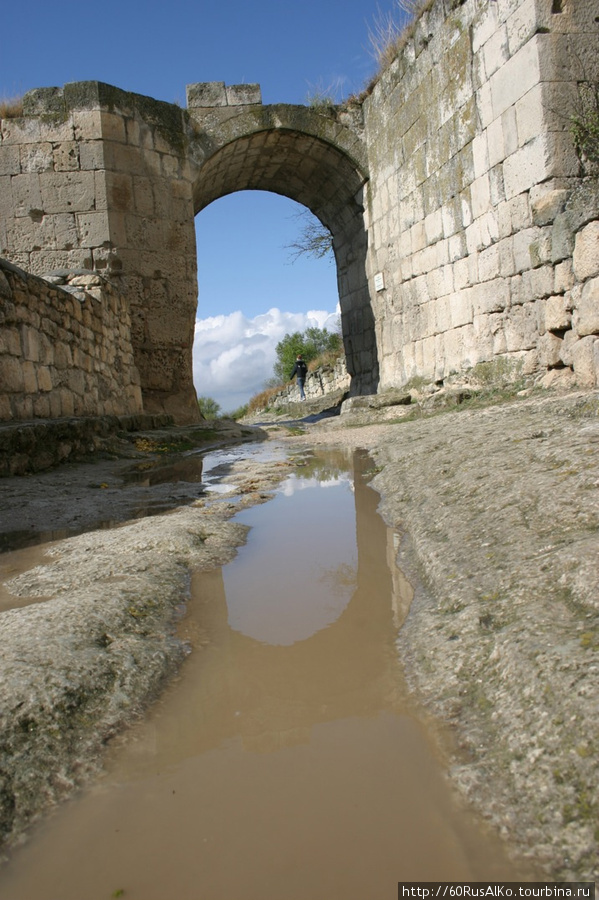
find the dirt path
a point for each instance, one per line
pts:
(500, 511)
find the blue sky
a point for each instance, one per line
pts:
(154, 48)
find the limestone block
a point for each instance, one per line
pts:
(541, 282)
(586, 315)
(496, 52)
(87, 124)
(527, 166)
(564, 277)
(530, 115)
(514, 79)
(41, 406)
(480, 153)
(21, 131)
(505, 250)
(143, 196)
(550, 349)
(10, 341)
(5, 408)
(496, 186)
(436, 283)
(460, 308)
(520, 329)
(448, 285)
(10, 160)
(562, 238)
(112, 127)
(461, 278)
(489, 228)
(490, 296)
(484, 105)
(522, 25)
(46, 350)
(456, 246)
(33, 233)
(481, 196)
(67, 191)
(133, 131)
(557, 315)
(26, 194)
(570, 338)
(522, 243)
(11, 375)
(484, 26)
(509, 127)
(65, 231)
(520, 212)
(545, 206)
(433, 227)
(171, 166)
(488, 263)
(418, 236)
(91, 155)
(93, 229)
(206, 94)
(30, 343)
(586, 252)
(473, 237)
(504, 219)
(30, 382)
(453, 344)
(585, 359)
(126, 159)
(541, 250)
(66, 156)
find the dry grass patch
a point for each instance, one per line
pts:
(11, 107)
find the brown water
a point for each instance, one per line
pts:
(285, 761)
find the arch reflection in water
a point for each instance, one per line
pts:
(272, 769)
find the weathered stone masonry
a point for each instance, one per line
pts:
(64, 350)
(464, 226)
(480, 227)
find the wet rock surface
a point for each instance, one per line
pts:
(500, 511)
(499, 508)
(96, 642)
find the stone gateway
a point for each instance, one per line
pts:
(465, 221)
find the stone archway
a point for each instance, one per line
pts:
(104, 181)
(313, 156)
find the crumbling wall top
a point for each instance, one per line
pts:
(207, 94)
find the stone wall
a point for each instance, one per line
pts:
(98, 178)
(464, 225)
(64, 351)
(478, 212)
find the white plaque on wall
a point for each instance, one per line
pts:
(379, 282)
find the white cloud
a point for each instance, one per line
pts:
(233, 356)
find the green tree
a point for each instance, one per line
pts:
(209, 408)
(311, 343)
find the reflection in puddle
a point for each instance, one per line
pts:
(300, 590)
(284, 761)
(188, 469)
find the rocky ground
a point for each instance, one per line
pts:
(499, 508)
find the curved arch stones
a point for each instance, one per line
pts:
(112, 181)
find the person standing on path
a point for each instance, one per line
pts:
(301, 370)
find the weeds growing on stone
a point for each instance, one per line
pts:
(584, 123)
(11, 108)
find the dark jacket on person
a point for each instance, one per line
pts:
(300, 369)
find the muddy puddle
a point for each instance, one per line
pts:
(285, 761)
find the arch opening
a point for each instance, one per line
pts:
(327, 181)
(252, 292)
